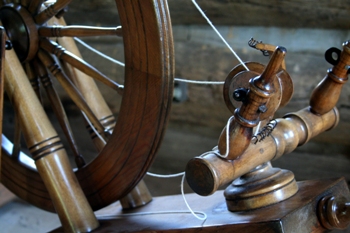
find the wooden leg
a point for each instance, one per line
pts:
(47, 150)
(139, 196)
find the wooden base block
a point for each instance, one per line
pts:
(169, 213)
(259, 188)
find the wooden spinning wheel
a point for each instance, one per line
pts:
(258, 195)
(145, 105)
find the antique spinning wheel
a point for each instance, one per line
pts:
(144, 109)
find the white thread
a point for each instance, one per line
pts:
(218, 33)
(166, 176)
(188, 206)
(99, 53)
(257, 128)
(150, 213)
(227, 140)
(199, 82)
(183, 174)
(122, 64)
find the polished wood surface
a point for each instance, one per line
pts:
(333, 212)
(205, 174)
(263, 186)
(247, 116)
(34, 79)
(47, 151)
(59, 111)
(33, 5)
(327, 93)
(88, 88)
(128, 152)
(296, 214)
(131, 149)
(70, 88)
(80, 64)
(79, 72)
(78, 31)
(53, 9)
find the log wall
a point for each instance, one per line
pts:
(305, 28)
(270, 13)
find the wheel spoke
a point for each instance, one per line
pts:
(59, 111)
(24, 3)
(33, 79)
(34, 5)
(78, 63)
(51, 11)
(72, 91)
(78, 31)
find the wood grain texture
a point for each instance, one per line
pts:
(297, 214)
(261, 89)
(326, 95)
(47, 151)
(78, 31)
(205, 174)
(52, 10)
(79, 63)
(141, 123)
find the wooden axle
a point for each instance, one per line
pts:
(206, 173)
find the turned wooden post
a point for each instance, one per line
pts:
(247, 116)
(327, 93)
(47, 151)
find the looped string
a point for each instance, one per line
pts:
(194, 213)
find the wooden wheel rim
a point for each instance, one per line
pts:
(142, 119)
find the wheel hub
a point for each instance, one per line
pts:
(21, 30)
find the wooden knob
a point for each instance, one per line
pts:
(333, 212)
(326, 94)
(206, 174)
